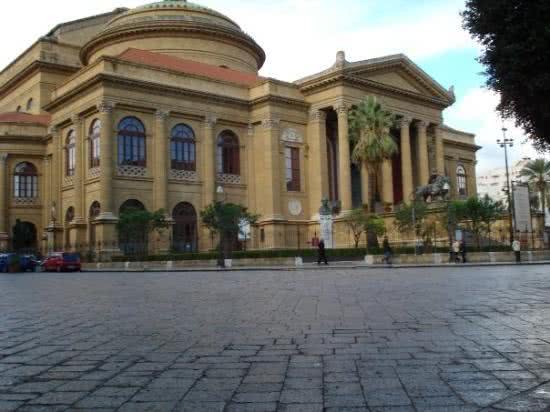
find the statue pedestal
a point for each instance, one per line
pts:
(326, 223)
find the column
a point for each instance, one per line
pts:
(272, 186)
(406, 160)
(78, 124)
(3, 202)
(106, 149)
(365, 185)
(387, 184)
(318, 171)
(439, 151)
(161, 165)
(344, 158)
(422, 158)
(106, 234)
(209, 165)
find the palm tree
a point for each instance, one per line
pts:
(537, 173)
(369, 130)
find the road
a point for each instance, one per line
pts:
(439, 339)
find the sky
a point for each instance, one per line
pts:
(301, 37)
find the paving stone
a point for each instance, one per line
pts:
(298, 340)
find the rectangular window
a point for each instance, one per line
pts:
(292, 166)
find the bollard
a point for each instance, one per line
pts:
(298, 262)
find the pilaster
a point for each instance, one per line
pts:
(406, 160)
(78, 124)
(344, 157)
(270, 205)
(3, 202)
(208, 171)
(439, 151)
(318, 171)
(106, 144)
(161, 164)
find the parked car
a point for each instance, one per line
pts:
(28, 263)
(9, 262)
(61, 262)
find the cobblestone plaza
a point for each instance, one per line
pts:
(437, 339)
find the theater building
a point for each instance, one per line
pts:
(159, 106)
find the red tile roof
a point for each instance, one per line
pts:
(189, 67)
(20, 117)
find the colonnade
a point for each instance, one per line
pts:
(317, 138)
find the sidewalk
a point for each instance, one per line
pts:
(314, 266)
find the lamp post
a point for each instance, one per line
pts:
(505, 143)
(221, 196)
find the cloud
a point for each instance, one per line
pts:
(476, 113)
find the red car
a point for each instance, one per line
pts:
(61, 262)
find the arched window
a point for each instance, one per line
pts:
(25, 181)
(29, 104)
(228, 158)
(461, 181)
(182, 148)
(95, 130)
(70, 151)
(131, 142)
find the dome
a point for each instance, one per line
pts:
(181, 29)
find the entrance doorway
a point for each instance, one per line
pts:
(133, 240)
(24, 237)
(185, 237)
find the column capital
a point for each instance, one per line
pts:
(342, 109)
(210, 120)
(271, 123)
(162, 115)
(53, 130)
(77, 119)
(317, 116)
(105, 106)
(422, 124)
(3, 157)
(405, 121)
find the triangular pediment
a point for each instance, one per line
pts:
(399, 72)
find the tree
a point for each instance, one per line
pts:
(356, 220)
(414, 218)
(479, 214)
(369, 131)
(491, 211)
(537, 173)
(452, 216)
(135, 225)
(375, 226)
(227, 220)
(515, 36)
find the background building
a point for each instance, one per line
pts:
(155, 107)
(493, 181)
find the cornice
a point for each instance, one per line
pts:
(103, 78)
(179, 29)
(463, 145)
(31, 69)
(342, 79)
(286, 101)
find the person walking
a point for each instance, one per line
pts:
(463, 250)
(322, 255)
(456, 250)
(388, 252)
(516, 247)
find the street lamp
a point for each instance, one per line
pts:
(219, 202)
(505, 143)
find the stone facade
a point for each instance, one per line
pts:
(163, 105)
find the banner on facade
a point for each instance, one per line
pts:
(522, 209)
